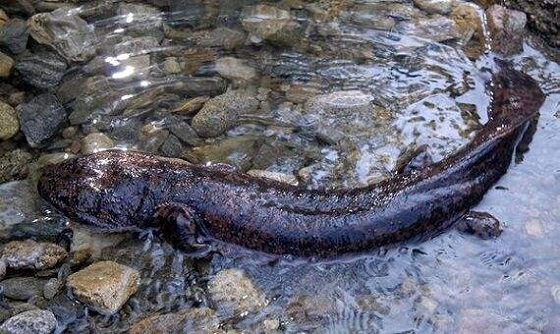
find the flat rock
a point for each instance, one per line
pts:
(72, 37)
(223, 112)
(200, 320)
(22, 288)
(104, 286)
(41, 118)
(42, 69)
(29, 254)
(18, 203)
(235, 294)
(33, 321)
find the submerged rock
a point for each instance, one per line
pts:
(33, 321)
(29, 254)
(200, 320)
(104, 286)
(9, 123)
(262, 21)
(42, 70)
(62, 29)
(22, 288)
(235, 294)
(95, 142)
(14, 35)
(6, 65)
(41, 118)
(223, 112)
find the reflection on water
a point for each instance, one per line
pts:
(333, 92)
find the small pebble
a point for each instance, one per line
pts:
(95, 142)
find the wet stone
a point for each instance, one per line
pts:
(236, 151)
(22, 288)
(470, 26)
(235, 69)
(226, 38)
(146, 20)
(438, 29)
(9, 123)
(104, 286)
(506, 29)
(2, 269)
(72, 37)
(95, 142)
(41, 118)
(42, 70)
(29, 254)
(6, 65)
(171, 147)
(171, 66)
(18, 203)
(33, 321)
(203, 87)
(200, 320)
(262, 21)
(222, 113)
(442, 7)
(51, 288)
(14, 35)
(3, 18)
(235, 294)
(184, 132)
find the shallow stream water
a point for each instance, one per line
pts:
(328, 94)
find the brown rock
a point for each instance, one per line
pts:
(9, 123)
(200, 320)
(506, 29)
(468, 20)
(104, 286)
(6, 65)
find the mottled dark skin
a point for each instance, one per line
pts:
(120, 190)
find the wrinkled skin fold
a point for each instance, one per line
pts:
(122, 190)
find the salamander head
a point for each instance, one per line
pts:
(100, 190)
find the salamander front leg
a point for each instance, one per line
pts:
(480, 224)
(178, 224)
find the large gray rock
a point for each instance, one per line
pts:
(34, 321)
(104, 286)
(41, 118)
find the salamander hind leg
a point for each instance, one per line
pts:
(178, 224)
(480, 224)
